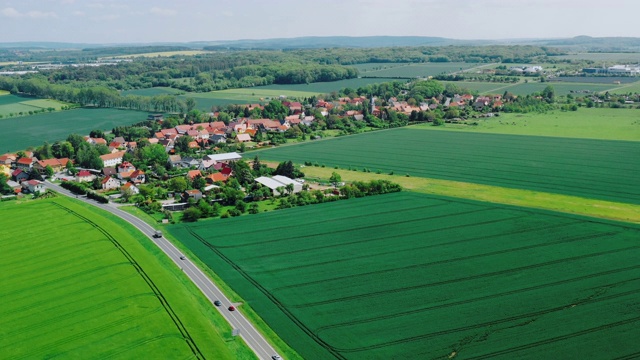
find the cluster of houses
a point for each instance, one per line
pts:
(18, 170)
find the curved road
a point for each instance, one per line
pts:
(248, 332)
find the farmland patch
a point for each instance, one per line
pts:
(78, 285)
(22, 132)
(414, 276)
(598, 169)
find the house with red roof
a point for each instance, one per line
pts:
(32, 186)
(25, 163)
(84, 176)
(19, 175)
(137, 177)
(56, 164)
(193, 173)
(130, 188)
(109, 183)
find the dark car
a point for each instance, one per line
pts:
(232, 308)
(217, 303)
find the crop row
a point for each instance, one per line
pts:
(384, 276)
(588, 168)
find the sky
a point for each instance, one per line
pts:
(146, 21)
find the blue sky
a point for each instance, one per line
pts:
(129, 21)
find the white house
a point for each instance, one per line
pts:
(110, 183)
(114, 159)
(33, 186)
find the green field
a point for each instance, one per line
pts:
(12, 104)
(82, 285)
(22, 132)
(481, 87)
(559, 88)
(153, 91)
(261, 94)
(414, 276)
(327, 87)
(594, 123)
(410, 71)
(629, 58)
(598, 169)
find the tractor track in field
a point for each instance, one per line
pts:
(472, 277)
(156, 291)
(270, 296)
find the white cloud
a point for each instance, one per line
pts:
(162, 11)
(78, 13)
(227, 13)
(110, 17)
(11, 12)
(33, 14)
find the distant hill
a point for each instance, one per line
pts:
(600, 44)
(342, 41)
(578, 43)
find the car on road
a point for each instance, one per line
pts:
(183, 258)
(217, 303)
(276, 357)
(157, 234)
(232, 308)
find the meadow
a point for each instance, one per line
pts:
(410, 71)
(22, 132)
(13, 105)
(598, 169)
(407, 275)
(593, 123)
(559, 88)
(631, 58)
(82, 285)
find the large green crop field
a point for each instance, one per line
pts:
(411, 71)
(593, 123)
(12, 105)
(630, 58)
(22, 132)
(79, 285)
(421, 277)
(599, 169)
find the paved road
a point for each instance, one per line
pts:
(248, 332)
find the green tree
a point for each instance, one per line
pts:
(178, 184)
(548, 94)
(153, 155)
(191, 214)
(48, 170)
(254, 208)
(190, 103)
(335, 179)
(4, 188)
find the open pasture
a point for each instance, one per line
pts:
(78, 285)
(22, 132)
(13, 105)
(414, 276)
(628, 58)
(597, 169)
(586, 123)
(611, 81)
(411, 71)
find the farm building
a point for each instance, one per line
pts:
(226, 157)
(279, 181)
